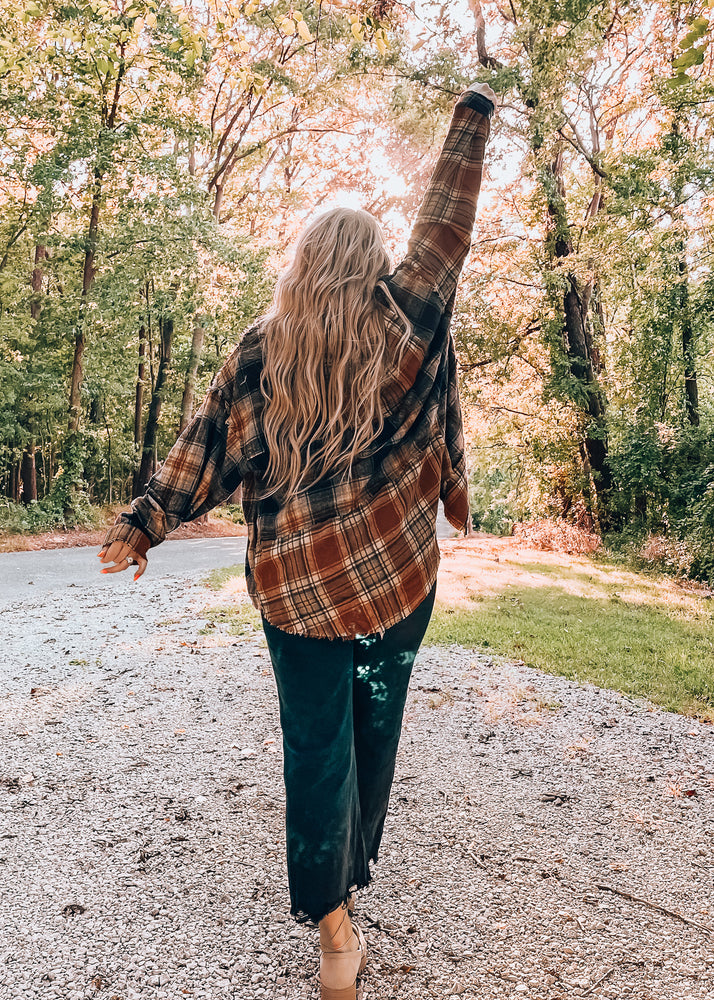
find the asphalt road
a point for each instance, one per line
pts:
(27, 575)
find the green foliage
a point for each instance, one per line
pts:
(197, 138)
(119, 127)
(665, 484)
(490, 500)
(693, 48)
(232, 512)
(25, 519)
(61, 508)
(697, 528)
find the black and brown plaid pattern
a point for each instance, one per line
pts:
(350, 556)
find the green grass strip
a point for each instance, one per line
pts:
(637, 649)
(645, 645)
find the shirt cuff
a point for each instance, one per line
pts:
(477, 102)
(135, 538)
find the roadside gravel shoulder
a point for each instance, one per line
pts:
(142, 839)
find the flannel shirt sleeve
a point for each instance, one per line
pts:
(200, 471)
(441, 237)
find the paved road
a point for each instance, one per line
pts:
(26, 575)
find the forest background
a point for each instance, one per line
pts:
(157, 160)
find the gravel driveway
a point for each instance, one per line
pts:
(141, 822)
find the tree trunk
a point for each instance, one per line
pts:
(95, 410)
(691, 389)
(139, 400)
(42, 469)
(152, 422)
(90, 254)
(110, 471)
(189, 389)
(217, 202)
(582, 356)
(577, 342)
(14, 481)
(28, 468)
(80, 340)
(28, 474)
(289, 170)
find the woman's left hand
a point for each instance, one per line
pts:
(123, 556)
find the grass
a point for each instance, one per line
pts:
(638, 650)
(588, 620)
(218, 578)
(580, 617)
(237, 619)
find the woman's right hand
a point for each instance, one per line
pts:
(123, 556)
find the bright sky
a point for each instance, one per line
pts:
(503, 160)
(422, 31)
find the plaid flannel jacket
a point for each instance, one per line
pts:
(350, 556)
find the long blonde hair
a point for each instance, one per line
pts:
(325, 353)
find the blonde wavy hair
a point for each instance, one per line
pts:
(325, 354)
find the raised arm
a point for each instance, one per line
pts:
(441, 237)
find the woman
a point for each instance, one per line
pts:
(339, 413)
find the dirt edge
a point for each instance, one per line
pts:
(82, 538)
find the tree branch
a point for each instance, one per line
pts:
(576, 142)
(483, 57)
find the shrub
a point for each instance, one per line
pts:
(230, 512)
(663, 552)
(698, 530)
(558, 536)
(67, 505)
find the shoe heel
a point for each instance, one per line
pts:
(340, 965)
(348, 993)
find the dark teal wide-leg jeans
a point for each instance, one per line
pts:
(341, 707)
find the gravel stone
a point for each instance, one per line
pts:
(142, 823)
